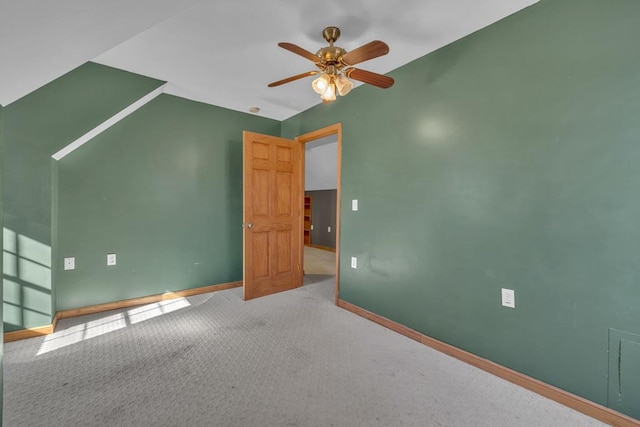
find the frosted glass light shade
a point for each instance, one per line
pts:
(343, 84)
(321, 84)
(329, 94)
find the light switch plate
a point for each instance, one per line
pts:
(354, 205)
(354, 262)
(328, 229)
(70, 263)
(111, 259)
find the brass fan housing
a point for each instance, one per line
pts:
(331, 34)
(330, 54)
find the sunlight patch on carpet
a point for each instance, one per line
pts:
(109, 323)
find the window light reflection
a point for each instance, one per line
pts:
(110, 323)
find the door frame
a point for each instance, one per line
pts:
(335, 129)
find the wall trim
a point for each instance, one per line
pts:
(109, 122)
(23, 334)
(563, 397)
(99, 308)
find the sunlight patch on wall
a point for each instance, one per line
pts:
(109, 323)
(35, 251)
(26, 280)
(9, 264)
(12, 293)
(9, 240)
(34, 273)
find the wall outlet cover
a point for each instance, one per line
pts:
(508, 298)
(70, 263)
(354, 262)
(111, 259)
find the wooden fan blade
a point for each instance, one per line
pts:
(292, 78)
(365, 52)
(299, 51)
(364, 76)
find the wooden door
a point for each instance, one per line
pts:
(272, 217)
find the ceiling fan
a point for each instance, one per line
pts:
(332, 60)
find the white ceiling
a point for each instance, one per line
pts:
(222, 52)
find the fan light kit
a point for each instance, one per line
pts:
(332, 60)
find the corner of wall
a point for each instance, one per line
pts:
(54, 236)
(1, 237)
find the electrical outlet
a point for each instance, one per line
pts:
(311, 227)
(354, 205)
(508, 298)
(328, 229)
(111, 259)
(354, 262)
(70, 263)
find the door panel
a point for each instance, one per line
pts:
(272, 169)
(283, 253)
(283, 188)
(261, 254)
(261, 193)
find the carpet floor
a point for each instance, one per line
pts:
(291, 359)
(319, 261)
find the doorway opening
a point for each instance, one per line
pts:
(321, 204)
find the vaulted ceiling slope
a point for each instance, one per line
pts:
(222, 52)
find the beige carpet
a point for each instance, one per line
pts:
(319, 261)
(289, 359)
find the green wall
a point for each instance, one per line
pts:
(163, 190)
(508, 159)
(36, 127)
